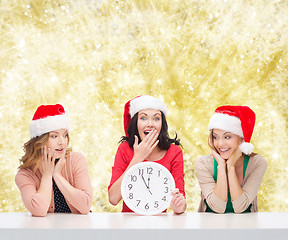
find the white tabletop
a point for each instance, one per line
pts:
(133, 226)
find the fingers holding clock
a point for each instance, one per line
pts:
(176, 196)
(178, 202)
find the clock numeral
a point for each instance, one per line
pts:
(164, 198)
(133, 178)
(130, 195)
(147, 206)
(159, 173)
(165, 180)
(141, 171)
(130, 186)
(156, 205)
(138, 202)
(166, 190)
(149, 170)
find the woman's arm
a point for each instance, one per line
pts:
(234, 185)
(252, 182)
(80, 195)
(221, 186)
(233, 182)
(204, 170)
(37, 201)
(178, 202)
(141, 152)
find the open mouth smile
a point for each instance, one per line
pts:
(224, 149)
(147, 132)
(59, 150)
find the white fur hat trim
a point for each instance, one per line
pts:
(146, 102)
(227, 123)
(48, 124)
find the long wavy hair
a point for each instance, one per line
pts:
(33, 156)
(164, 140)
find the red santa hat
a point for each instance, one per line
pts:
(239, 120)
(48, 118)
(140, 103)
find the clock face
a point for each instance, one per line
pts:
(146, 188)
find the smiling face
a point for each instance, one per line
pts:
(58, 141)
(148, 120)
(225, 142)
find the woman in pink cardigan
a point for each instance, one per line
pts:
(52, 178)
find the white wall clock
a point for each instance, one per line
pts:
(146, 188)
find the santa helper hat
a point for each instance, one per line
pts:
(239, 120)
(48, 118)
(141, 103)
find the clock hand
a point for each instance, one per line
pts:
(145, 182)
(148, 180)
(146, 185)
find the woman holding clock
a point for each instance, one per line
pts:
(231, 175)
(147, 139)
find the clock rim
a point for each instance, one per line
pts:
(131, 170)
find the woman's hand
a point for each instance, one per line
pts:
(231, 162)
(60, 164)
(144, 149)
(46, 168)
(48, 162)
(218, 158)
(178, 202)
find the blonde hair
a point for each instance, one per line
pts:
(210, 141)
(33, 156)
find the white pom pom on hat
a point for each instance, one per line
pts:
(246, 148)
(239, 120)
(141, 103)
(48, 118)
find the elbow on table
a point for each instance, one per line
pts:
(85, 211)
(114, 202)
(217, 206)
(112, 199)
(241, 204)
(37, 207)
(38, 213)
(237, 211)
(240, 210)
(84, 206)
(219, 211)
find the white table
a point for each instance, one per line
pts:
(132, 226)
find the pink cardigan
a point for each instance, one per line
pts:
(75, 172)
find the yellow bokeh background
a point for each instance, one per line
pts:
(94, 55)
